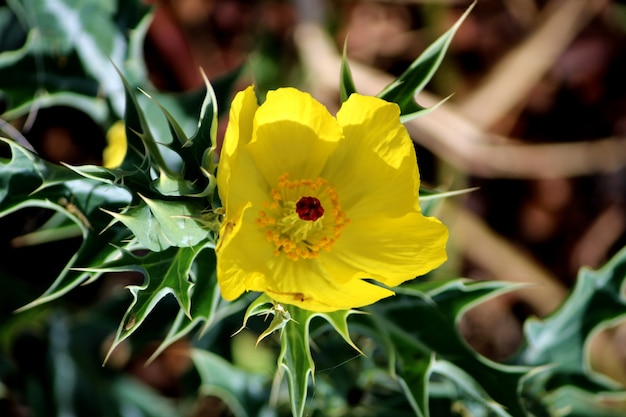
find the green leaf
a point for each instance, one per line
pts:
(262, 305)
(575, 402)
(422, 345)
(596, 302)
(295, 358)
(339, 321)
(143, 152)
(159, 224)
(95, 172)
(176, 130)
(196, 152)
(184, 123)
(174, 187)
(165, 272)
(141, 397)
(242, 391)
(204, 140)
(279, 321)
(414, 379)
(207, 305)
(471, 385)
(429, 195)
(429, 199)
(346, 83)
(28, 181)
(31, 76)
(403, 90)
(66, 53)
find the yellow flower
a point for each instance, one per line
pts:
(315, 205)
(115, 151)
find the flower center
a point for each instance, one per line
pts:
(303, 217)
(309, 208)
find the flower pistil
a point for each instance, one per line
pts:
(303, 217)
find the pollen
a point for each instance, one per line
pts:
(302, 218)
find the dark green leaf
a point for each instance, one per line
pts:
(403, 90)
(143, 398)
(425, 324)
(414, 378)
(159, 224)
(202, 143)
(596, 302)
(166, 272)
(242, 391)
(295, 358)
(346, 83)
(207, 305)
(143, 152)
(66, 53)
(28, 181)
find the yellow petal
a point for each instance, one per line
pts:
(379, 156)
(236, 172)
(306, 284)
(293, 133)
(115, 151)
(242, 254)
(390, 250)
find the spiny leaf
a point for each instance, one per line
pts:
(204, 141)
(339, 321)
(26, 180)
(175, 187)
(414, 340)
(165, 273)
(176, 130)
(25, 174)
(95, 172)
(65, 59)
(142, 152)
(471, 386)
(455, 297)
(279, 321)
(571, 401)
(295, 355)
(346, 83)
(95, 249)
(403, 90)
(159, 224)
(262, 305)
(207, 306)
(295, 358)
(597, 301)
(429, 200)
(194, 164)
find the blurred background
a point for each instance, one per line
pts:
(536, 121)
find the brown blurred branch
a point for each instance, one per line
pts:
(510, 81)
(594, 245)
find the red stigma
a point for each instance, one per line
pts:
(309, 208)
